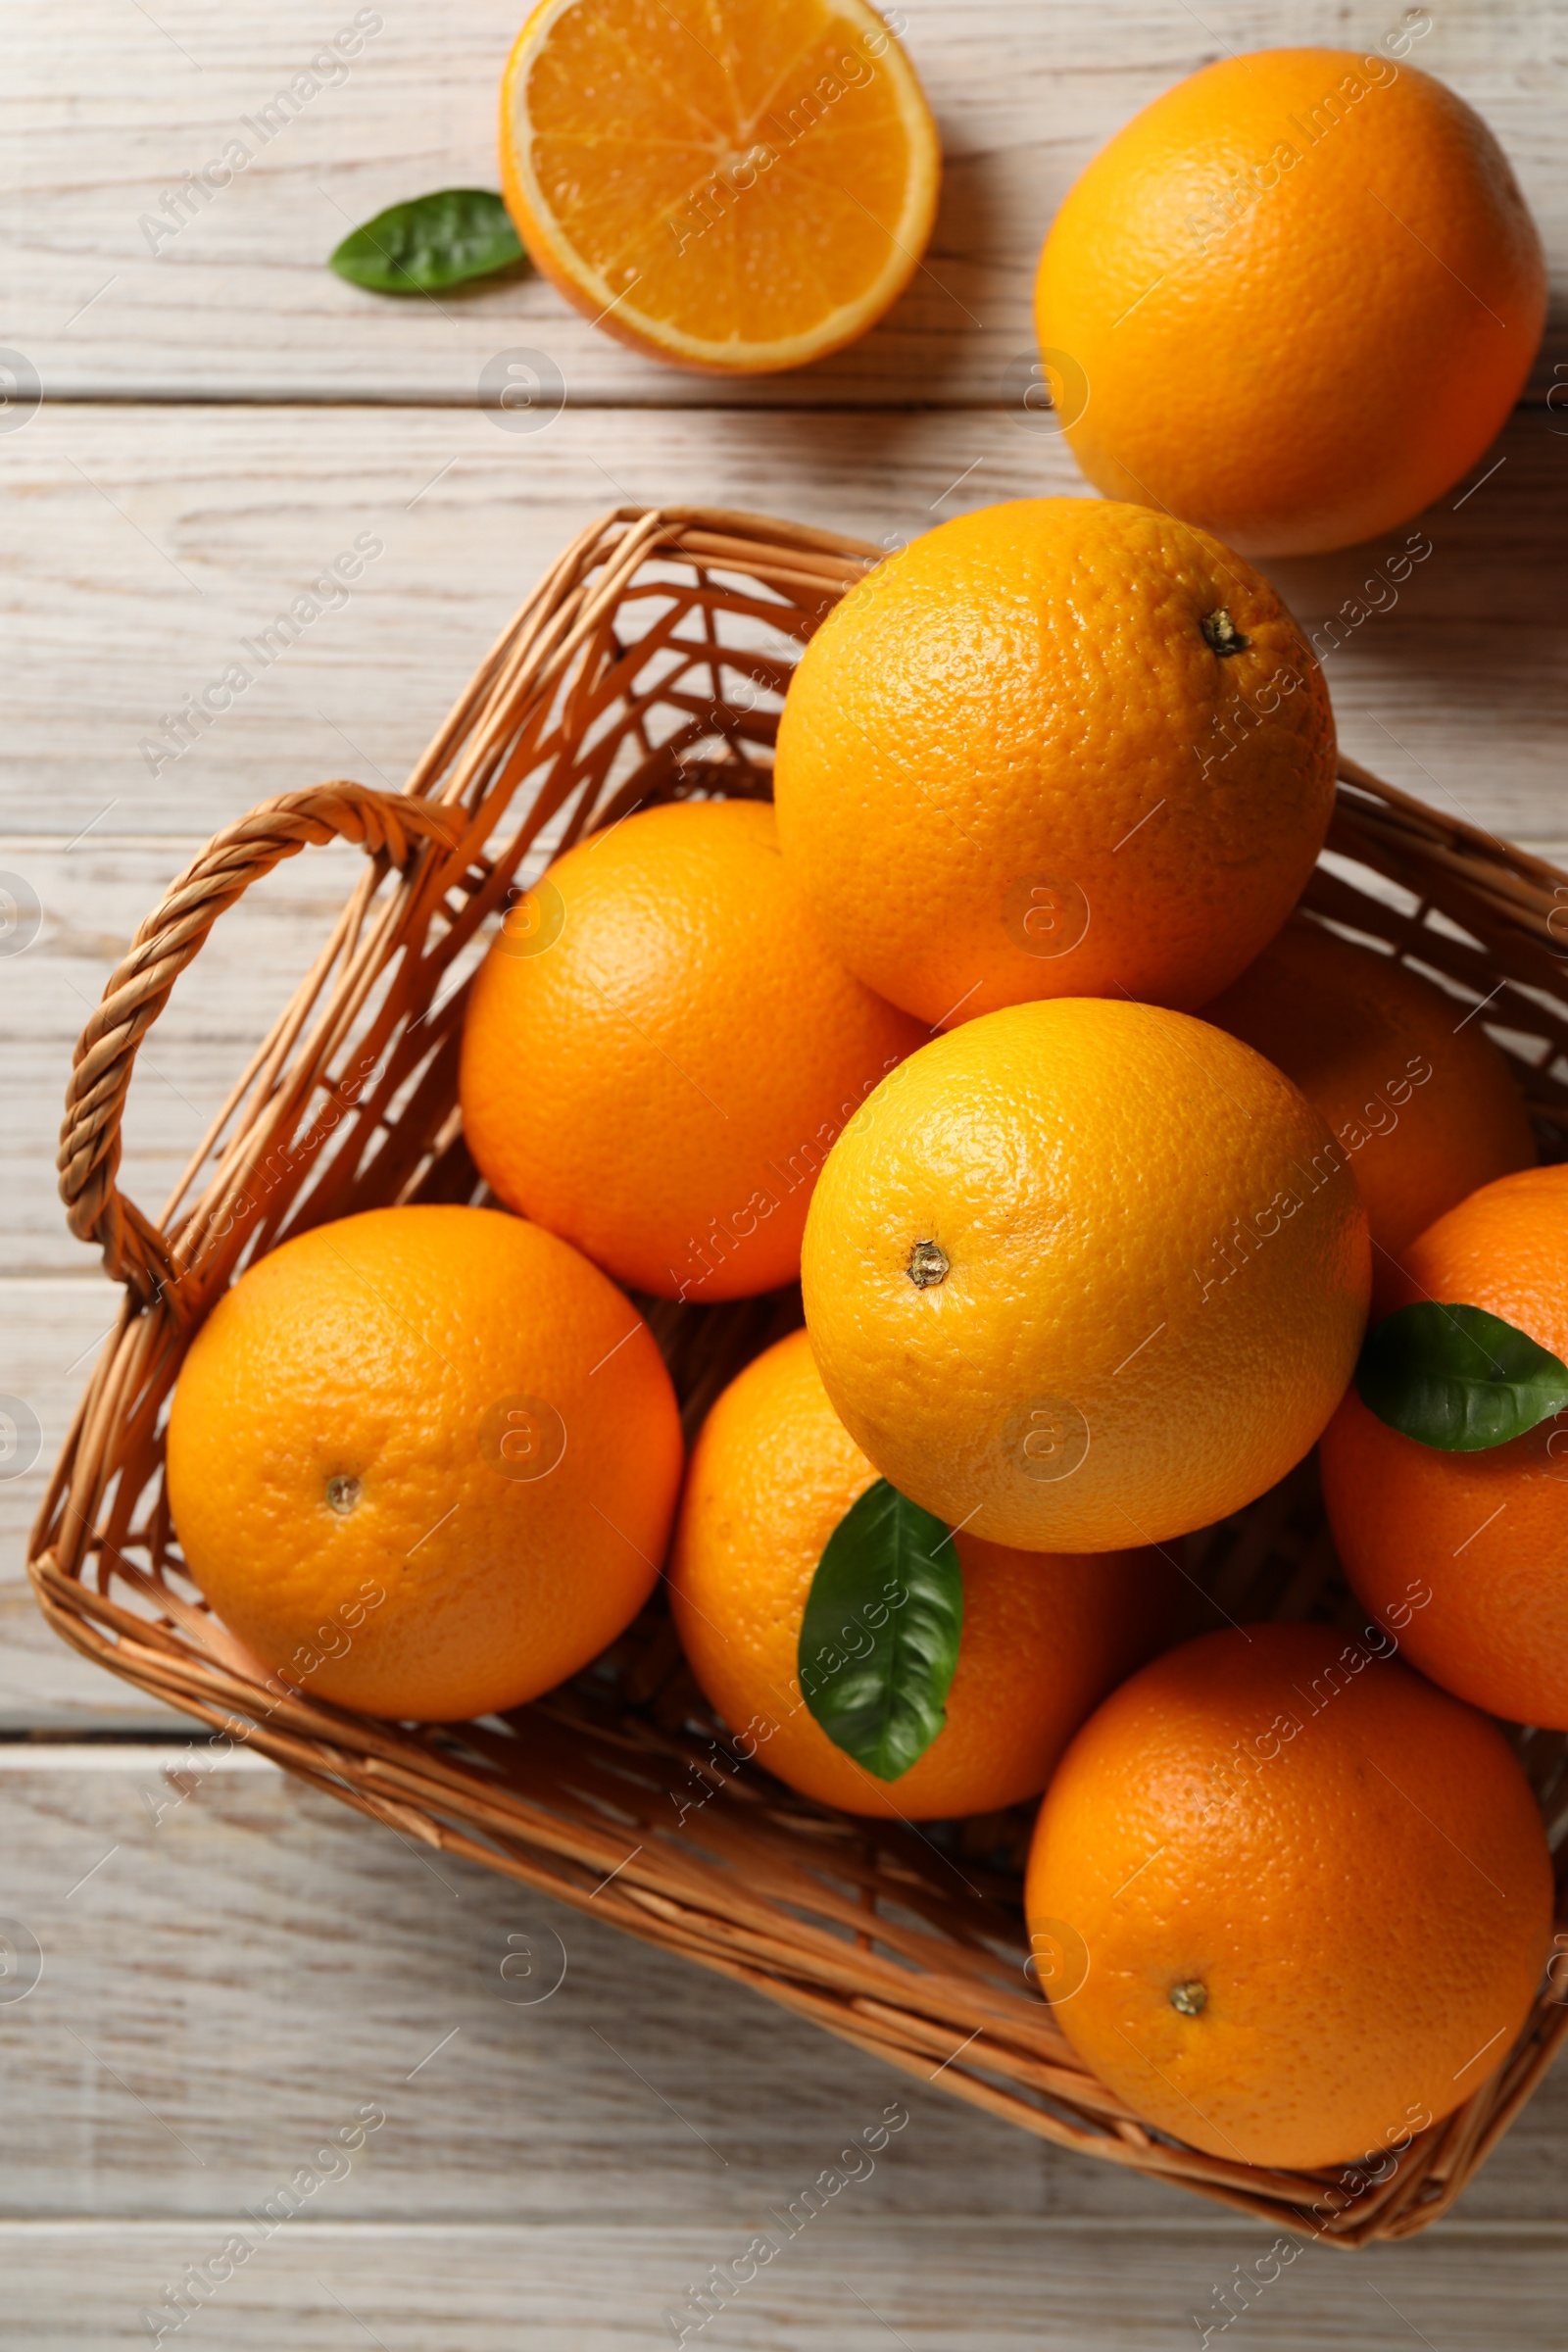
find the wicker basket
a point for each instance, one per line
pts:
(649, 665)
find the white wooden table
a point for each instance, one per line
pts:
(236, 1980)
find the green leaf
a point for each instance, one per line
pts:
(1459, 1379)
(879, 1638)
(430, 242)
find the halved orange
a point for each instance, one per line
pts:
(734, 185)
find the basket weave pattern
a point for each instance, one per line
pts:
(649, 665)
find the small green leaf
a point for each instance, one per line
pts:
(1459, 1379)
(430, 242)
(879, 1638)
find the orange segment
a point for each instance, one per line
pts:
(732, 184)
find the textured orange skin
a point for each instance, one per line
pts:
(373, 1349)
(1024, 698)
(1045, 1636)
(1326, 363)
(1081, 1164)
(1353, 1030)
(1357, 1957)
(797, 266)
(663, 1083)
(1473, 1545)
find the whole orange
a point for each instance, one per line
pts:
(1085, 1274)
(662, 1047)
(1044, 1634)
(1293, 300)
(1290, 1902)
(424, 1462)
(1466, 1555)
(1059, 748)
(1421, 1102)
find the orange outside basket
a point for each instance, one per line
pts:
(648, 664)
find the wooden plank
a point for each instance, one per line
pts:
(52, 1327)
(233, 1966)
(238, 304)
(150, 548)
(47, 1690)
(844, 2285)
(276, 1960)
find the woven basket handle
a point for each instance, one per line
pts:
(389, 825)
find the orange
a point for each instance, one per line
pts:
(1241, 293)
(1055, 749)
(735, 185)
(1043, 1637)
(1085, 1274)
(661, 1049)
(1465, 1555)
(1290, 1903)
(424, 1462)
(1419, 1098)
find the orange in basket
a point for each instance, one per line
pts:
(1061, 747)
(424, 1462)
(1085, 1274)
(663, 1047)
(1045, 1634)
(1297, 1902)
(1471, 1548)
(737, 187)
(1420, 1100)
